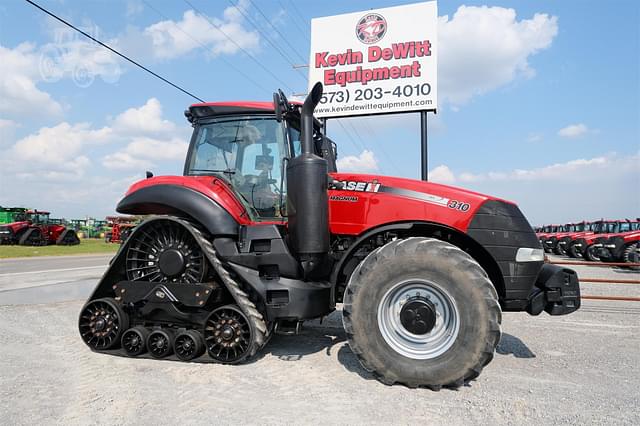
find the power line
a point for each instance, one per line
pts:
(302, 31)
(277, 48)
(276, 30)
(253, 58)
(204, 46)
(113, 50)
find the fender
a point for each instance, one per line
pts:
(423, 228)
(180, 201)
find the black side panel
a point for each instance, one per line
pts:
(180, 201)
(501, 229)
(260, 247)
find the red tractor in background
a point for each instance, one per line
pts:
(262, 232)
(120, 228)
(36, 228)
(624, 246)
(588, 244)
(548, 232)
(563, 240)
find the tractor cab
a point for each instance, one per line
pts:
(248, 145)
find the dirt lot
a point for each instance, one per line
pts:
(577, 369)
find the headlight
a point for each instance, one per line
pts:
(525, 254)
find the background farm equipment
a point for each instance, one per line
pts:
(36, 228)
(8, 214)
(118, 228)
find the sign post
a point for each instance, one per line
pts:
(380, 61)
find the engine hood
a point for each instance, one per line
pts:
(360, 201)
(428, 191)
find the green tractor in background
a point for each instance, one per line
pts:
(8, 214)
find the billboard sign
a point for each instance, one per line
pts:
(375, 62)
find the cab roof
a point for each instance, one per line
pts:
(208, 109)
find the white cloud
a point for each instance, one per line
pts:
(19, 93)
(483, 48)
(366, 162)
(573, 131)
(145, 119)
(122, 161)
(442, 174)
(54, 152)
(171, 39)
(574, 190)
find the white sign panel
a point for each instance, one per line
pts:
(376, 62)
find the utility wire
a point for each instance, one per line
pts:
(277, 48)
(253, 58)
(113, 50)
(204, 46)
(302, 31)
(285, 39)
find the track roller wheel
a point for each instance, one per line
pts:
(228, 335)
(188, 345)
(160, 343)
(101, 323)
(134, 340)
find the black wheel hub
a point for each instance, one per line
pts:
(418, 316)
(227, 334)
(171, 262)
(165, 251)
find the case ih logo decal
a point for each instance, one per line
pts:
(351, 185)
(371, 28)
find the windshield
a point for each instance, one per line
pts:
(247, 151)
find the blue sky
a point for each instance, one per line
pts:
(539, 100)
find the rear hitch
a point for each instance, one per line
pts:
(557, 291)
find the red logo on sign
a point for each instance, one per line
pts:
(371, 28)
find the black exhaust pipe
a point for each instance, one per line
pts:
(307, 197)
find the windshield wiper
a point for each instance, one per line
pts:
(225, 171)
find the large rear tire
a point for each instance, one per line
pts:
(572, 251)
(631, 254)
(590, 254)
(422, 312)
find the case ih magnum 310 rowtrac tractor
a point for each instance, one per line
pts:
(262, 233)
(35, 228)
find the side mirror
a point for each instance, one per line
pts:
(280, 104)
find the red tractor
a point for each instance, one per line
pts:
(261, 233)
(120, 228)
(588, 245)
(35, 228)
(623, 246)
(563, 240)
(547, 232)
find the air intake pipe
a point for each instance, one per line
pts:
(307, 197)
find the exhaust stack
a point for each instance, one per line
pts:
(307, 197)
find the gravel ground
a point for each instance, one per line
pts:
(578, 369)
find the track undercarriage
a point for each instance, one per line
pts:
(166, 292)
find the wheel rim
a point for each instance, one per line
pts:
(430, 337)
(133, 341)
(164, 251)
(101, 324)
(227, 334)
(186, 346)
(159, 344)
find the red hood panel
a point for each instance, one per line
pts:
(367, 201)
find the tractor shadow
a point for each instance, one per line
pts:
(512, 345)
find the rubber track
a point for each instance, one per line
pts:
(490, 296)
(241, 298)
